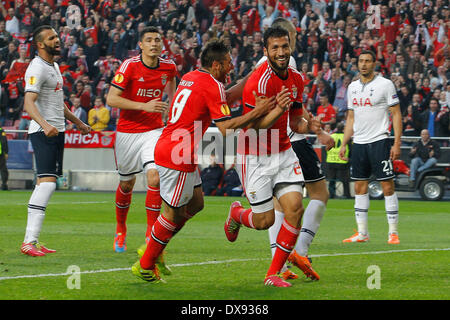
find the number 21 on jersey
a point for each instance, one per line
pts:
(179, 104)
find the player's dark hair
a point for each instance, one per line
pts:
(374, 57)
(215, 50)
(37, 37)
(150, 29)
(274, 32)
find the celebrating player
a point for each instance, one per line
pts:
(137, 89)
(270, 167)
(313, 175)
(199, 99)
(370, 99)
(44, 102)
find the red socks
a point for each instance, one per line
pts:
(123, 201)
(287, 237)
(153, 203)
(243, 216)
(163, 230)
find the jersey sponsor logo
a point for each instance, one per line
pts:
(225, 110)
(32, 80)
(118, 78)
(361, 102)
(148, 92)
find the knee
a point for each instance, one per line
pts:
(153, 178)
(127, 186)
(263, 221)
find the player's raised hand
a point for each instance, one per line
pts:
(50, 131)
(284, 99)
(263, 104)
(155, 105)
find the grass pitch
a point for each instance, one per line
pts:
(81, 226)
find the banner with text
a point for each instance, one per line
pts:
(95, 139)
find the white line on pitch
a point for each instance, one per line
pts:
(56, 202)
(220, 262)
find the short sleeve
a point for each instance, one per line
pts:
(34, 78)
(122, 75)
(349, 99)
(217, 103)
(392, 97)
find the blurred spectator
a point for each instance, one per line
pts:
(432, 119)
(78, 111)
(211, 177)
(98, 116)
(326, 111)
(425, 153)
(231, 185)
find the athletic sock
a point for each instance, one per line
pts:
(36, 210)
(243, 216)
(123, 200)
(361, 212)
(274, 229)
(287, 236)
(311, 221)
(153, 203)
(163, 230)
(391, 205)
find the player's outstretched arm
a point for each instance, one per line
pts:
(234, 93)
(398, 129)
(32, 110)
(263, 105)
(81, 126)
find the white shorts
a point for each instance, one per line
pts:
(177, 187)
(135, 152)
(266, 176)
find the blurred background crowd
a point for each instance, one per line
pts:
(410, 39)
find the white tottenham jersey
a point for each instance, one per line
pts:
(370, 103)
(293, 136)
(46, 80)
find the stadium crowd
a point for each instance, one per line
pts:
(410, 39)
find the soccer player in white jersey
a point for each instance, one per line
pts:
(314, 179)
(44, 102)
(370, 100)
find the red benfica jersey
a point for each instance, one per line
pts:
(141, 83)
(265, 82)
(199, 99)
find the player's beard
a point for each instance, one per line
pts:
(279, 67)
(52, 50)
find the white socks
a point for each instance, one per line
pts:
(274, 229)
(361, 210)
(36, 209)
(391, 205)
(311, 221)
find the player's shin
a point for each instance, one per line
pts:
(311, 221)
(163, 230)
(361, 212)
(287, 237)
(36, 209)
(153, 203)
(274, 229)
(391, 205)
(123, 200)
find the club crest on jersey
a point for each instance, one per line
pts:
(294, 92)
(118, 78)
(164, 79)
(362, 102)
(225, 110)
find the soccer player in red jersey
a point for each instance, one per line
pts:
(137, 90)
(200, 98)
(269, 166)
